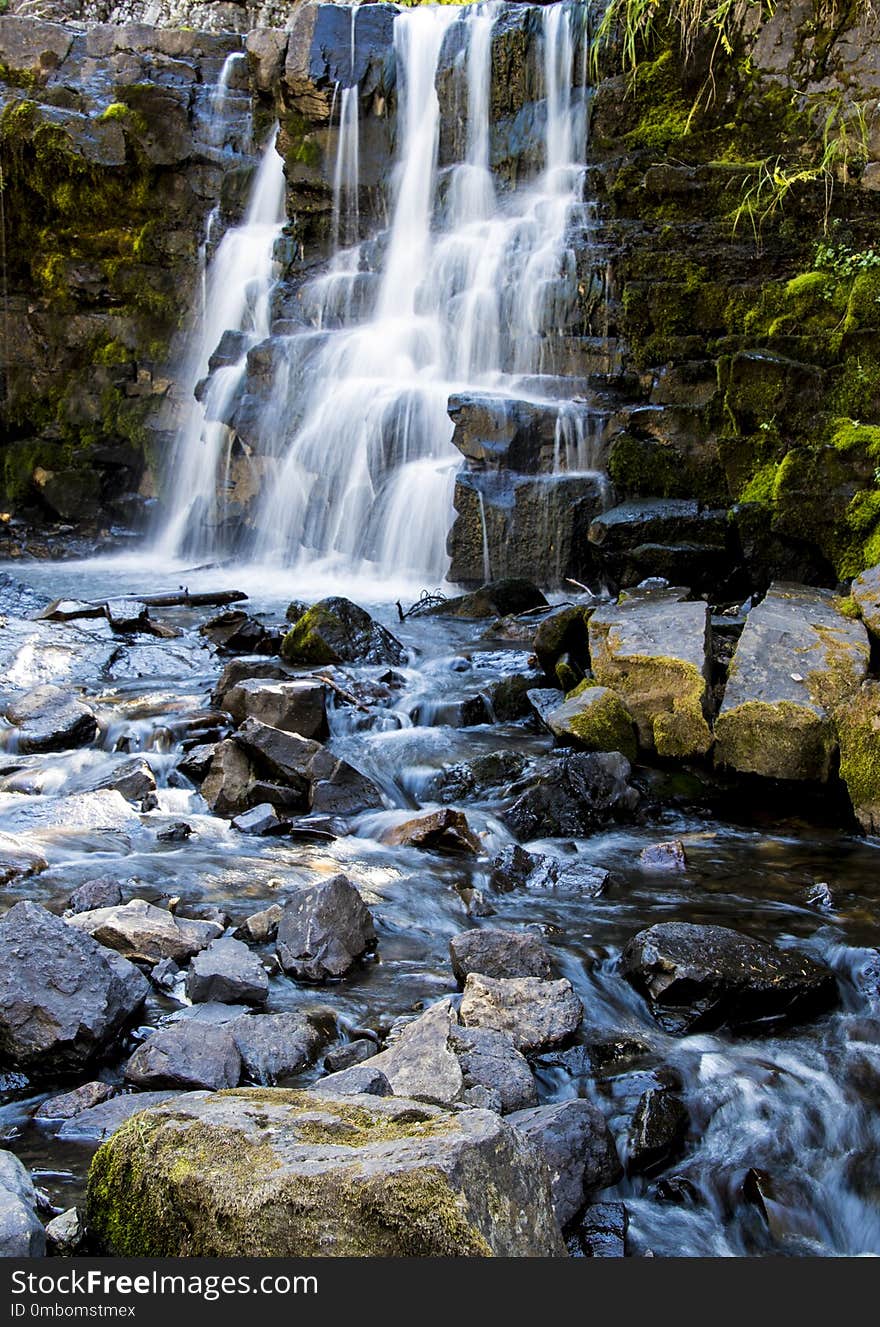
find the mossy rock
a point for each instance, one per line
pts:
(337, 631)
(594, 719)
(276, 1173)
(858, 732)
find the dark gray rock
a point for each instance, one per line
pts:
(227, 972)
(15, 1179)
(325, 783)
(499, 952)
(187, 1055)
(133, 778)
(274, 1046)
(99, 1122)
(657, 1132)
(337, 631)
(574, 795)
(51, 719)
(236, 632)
(513, 595)
(490, 1061)
(21, 1232)
(297, 706)
(601, 1232)
(100, 893)
(359, 1078)
(699, 977)
(260, 820)
(575, 1142)
(65, 1233)
(62, 997)
(324, 929)
(349, 1054)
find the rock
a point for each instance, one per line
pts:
(99, 1122)
(21, 1232)
(421, 1063)
(858, 733)
(197, 762)
(247, 1173)
(178, 832)
(489, 1060)
(51, 719)
(105, 812)
(260, 820)
(700, 977)
(261, 927)
(100, 893)
(574, 1140)
(186, 1055)
(567, 876)
(563, 631)
(227, 972)
(865, 590)
(657, 1132)
(324, 929)
(498, 952)
(678, 539)
(352, 1082)
(127, 616)
(67, 1105)
(536, 1014)
(134, 779)
(17, 860)
(349, 1054)
(435, 831)
(503, 598)
(65, 1233)
(653, 651)
(295, 707)
(145, 933)
(15, 1178)
(668, 856)
(336, 631)
(594, 719)
(798, 660)
(274, 1046)
(236, 632)
(266, 50)
(228, 783)
(544, 700)
(62, 997)
(601, 1232)
(326, 784)
(573, 795)
(243, 670)
(512, 866)
(166, 974)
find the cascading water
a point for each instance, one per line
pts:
(471, 287)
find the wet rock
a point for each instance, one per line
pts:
(657, 1132)
(352, 1082)
(140, 931)
(100, 893)
(511, 867)
(669, 856)
(329, 785)
(337, 631)
(51, 719)
(105, 811)
(67, 1105)
(63, 998)
(508, 698)
(65, 1233)
(240, 1174)
(242, 670)
(228, 783)
(536, 1014)
(18, 861)
(178, 832)
(594, 719)
(819, 896)
(563, 631)
(436, 831)
(274, 1046)
(349, 1054)
(489, 1061)
(678, 539)
(568, 876)
(676, 1189)
(544, 701)
(197, 762)
(601, 1232)
(865, 590)
(798, 659)
(99, 1122)
(187, 1055)
(260, 820)
(574, 1140)
(324, 929)
(260, 927)
(700, 977)
(134, 779)
(127, 616)
(503, 598)
(653, 651)
(475, 778)
(21, 1232)
(227, 972)
(573, 796)
(236, 632)
(294, 707)
(498, 952)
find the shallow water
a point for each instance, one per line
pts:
(800, 1105)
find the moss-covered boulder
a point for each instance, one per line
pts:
(274, 1173)
(799, 659)
(858, 731)
(595, 719)
(865, 596)
(337, 631)
(652, 650)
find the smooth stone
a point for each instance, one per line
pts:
(139, 930)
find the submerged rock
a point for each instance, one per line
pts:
(657, 1131)
(143, 932)
(574, 1140)
(17, 860)
(595, 719)
(701, 977)
(283, 1174)
(51, 719)
(536, 1014)
(324, 929)
(669, 856)
(437, 831)
(337, 631)
(62, 997)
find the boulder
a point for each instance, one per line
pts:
(21, 1232)
(99, 1122)
(536, 1014)
(798, 661)
(100, 893)
(503, 598)
(496, 951)
(17, 860)
(262, 926)
(676, 538)
(857, 725)
(349, 1054)
(327, 784)
(295, 707)
(435, 831)
(476, 778)
(657, 1132)
(324, 929)
(227, 972)
(63, 998)
(336, 631)
(594, 719)
(865, 591)
(282, 1174)
(51, 719)
(563, 632)
(69, 1104)
(188, 1054)
(573, 795)
(15, 1178)
(141, 931)
(702, 977)
(574, 1140)
(236, 632)
(490, 1062)
(227, 786)
(134, 779)
(274, 1046)
(653, 651)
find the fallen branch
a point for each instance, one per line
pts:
(426, 601)
(340, 691)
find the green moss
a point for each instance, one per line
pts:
(597, 720)
(849, 435)
(776, 740)
(117, 110)
(858, 732)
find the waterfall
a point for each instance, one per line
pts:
(471, 285)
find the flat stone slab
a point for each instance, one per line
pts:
(653, 651)
(799, 658)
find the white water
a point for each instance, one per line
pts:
(471, 290)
